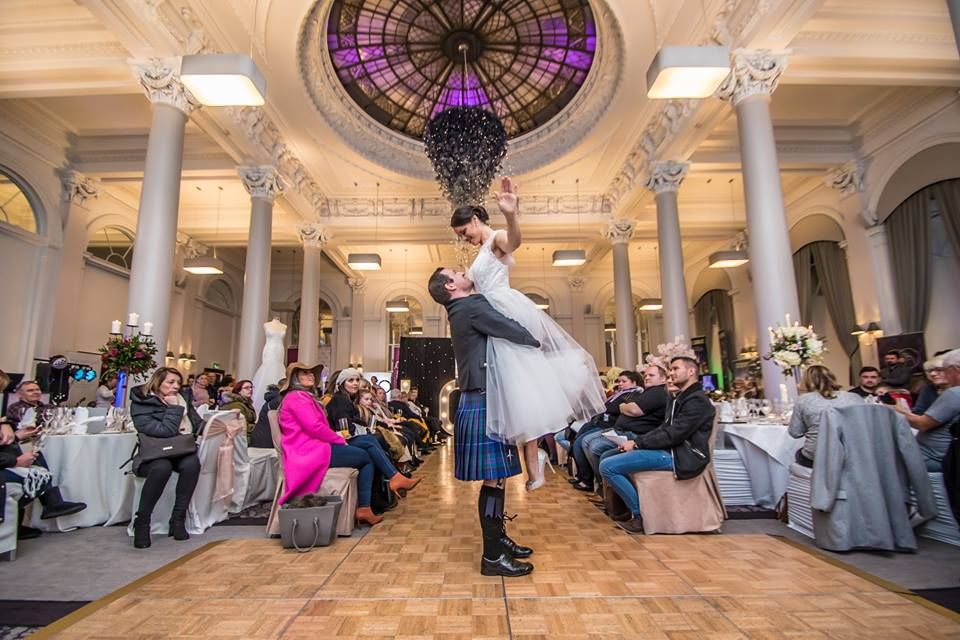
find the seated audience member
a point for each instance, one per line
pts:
(106, 392)
(199, 392)
(624, 386)
(822, 393)
(422, 412)
(395, 440)
(869, 383)
(895, 373)
(240, 398)
(29, 394)
(224, 388)
(937, 382)
(412, 428)
(935, 424)
(401, 411)
(689, 418)
(343, 414)
(160, 410)
(262, 438)
(640, 412)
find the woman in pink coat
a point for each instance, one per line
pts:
(310, 447)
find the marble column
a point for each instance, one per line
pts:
(263, 183)
(79, 192)
(578, 322)
(954, 8)
(664, 180)
(751, 83)
(151, 274)
(883, 280)
(358, 286)
(619, 233)
(313, 239)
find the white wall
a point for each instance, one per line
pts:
(18, 260)
(103, 300)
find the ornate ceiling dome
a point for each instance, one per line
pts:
(404, 61)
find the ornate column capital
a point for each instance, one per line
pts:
(190, 247)
(262, 181)
(753, 72)
(576, 283)
(847, 178)
(358, 284)
(78, 188)
(161, 80)
(619, 231)
(666, 176)
(313, 235)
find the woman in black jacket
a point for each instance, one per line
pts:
(159, 409)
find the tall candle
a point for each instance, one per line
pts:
(788, 319)
(784, 397)
(147, 329)
(115, 326)
(134, 319)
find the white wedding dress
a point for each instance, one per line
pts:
(272, 367)
(531, 392)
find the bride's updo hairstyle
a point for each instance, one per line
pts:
(463, 215)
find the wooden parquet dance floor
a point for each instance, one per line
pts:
(416, 576)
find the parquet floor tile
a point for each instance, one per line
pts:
(416, 576)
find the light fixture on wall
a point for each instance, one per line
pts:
(736, 257)
(369, 261)
(571, 257)
(650, 304)
(202, 265)
(687, 72)
(224, 79)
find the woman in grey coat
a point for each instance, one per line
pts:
(822, 393)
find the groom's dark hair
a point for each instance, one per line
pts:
(437, 285)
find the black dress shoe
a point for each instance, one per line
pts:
(28, 533)
(504, 566)
(513, 549)
(583, 487)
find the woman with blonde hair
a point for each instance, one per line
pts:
(822, 394)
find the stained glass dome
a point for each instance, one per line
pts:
(404, 61)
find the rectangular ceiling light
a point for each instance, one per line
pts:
(415, 331)
(569, 257)
(364, 261)
(728, 259)
(203, 266)
(687, 72)
(398, 306)
(224, 79)
(651, 304)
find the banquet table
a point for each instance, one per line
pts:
(767, 450)
(87, 469)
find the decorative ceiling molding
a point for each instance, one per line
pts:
(848, 178)
(418, 208)
(78, 188)
(406, 156)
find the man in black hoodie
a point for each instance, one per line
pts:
(681, 443)
(261, 437)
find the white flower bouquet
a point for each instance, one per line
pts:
(793, 346)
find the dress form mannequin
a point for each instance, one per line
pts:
(272, 365)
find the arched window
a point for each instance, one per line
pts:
(112, 244)
(15, 207)
(220, 295)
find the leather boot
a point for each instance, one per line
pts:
(504, 566)
(400, 484)
(54, 506)
(509, 546)
(613, 505)
(365, 515)
(23, 531)
(141, 532)
(178, 526)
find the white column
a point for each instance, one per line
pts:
(313, 240)
(883, 280)
(263, 183)
(151, 274)
(749, 87)
(664, 180)
(578, 323)
(619, 233)
(78, 192)
(357, 287)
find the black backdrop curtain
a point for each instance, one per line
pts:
(428, 363)
(716, 302)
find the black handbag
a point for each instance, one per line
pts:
(151, 448)
(688, 461)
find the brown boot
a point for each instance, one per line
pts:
(400, 484)
(613, 505)
(366, 516)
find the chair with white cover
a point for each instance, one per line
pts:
(339, 481)
(264, 471)
(944, 526)
(799, 511)
(669, 505)
(8, 528)
(224, 471)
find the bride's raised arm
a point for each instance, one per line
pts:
(507, 201)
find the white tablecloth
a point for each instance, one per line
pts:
(767, 451)
(87, 469)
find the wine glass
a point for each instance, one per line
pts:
(766, 407)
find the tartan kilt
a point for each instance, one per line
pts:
(477, 457)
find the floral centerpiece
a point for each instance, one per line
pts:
(130, 354)
(793, 346)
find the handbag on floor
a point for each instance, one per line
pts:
(303, 528)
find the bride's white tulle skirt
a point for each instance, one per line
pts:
(535, 392)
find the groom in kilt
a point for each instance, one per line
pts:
(476, 456)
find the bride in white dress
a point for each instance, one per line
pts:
(531, 392)
(272, 367)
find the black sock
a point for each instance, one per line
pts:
(490, 508)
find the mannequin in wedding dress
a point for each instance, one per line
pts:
(272, 367)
